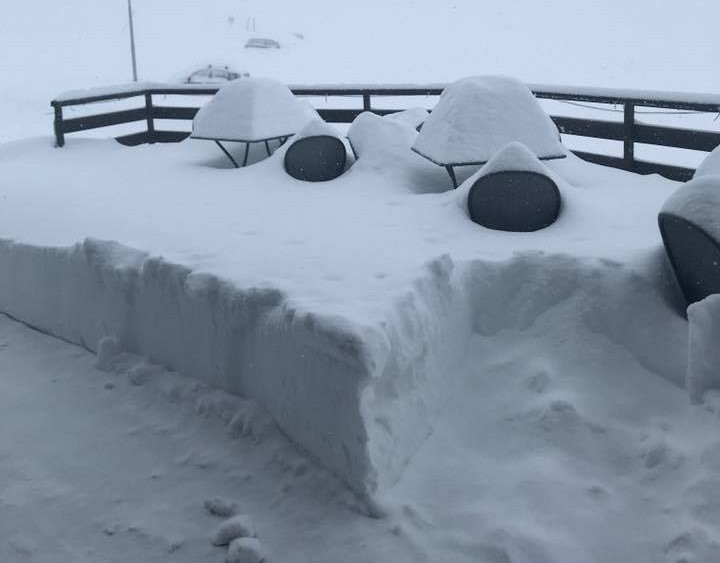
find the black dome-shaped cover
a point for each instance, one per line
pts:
(694, 256)
(317, 158)
(519, 201)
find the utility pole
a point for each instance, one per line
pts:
(132, 40)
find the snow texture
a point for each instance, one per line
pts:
(213, 282)
(704, 347)
(245, 550)
(413, 117)
(710, 166)
(698, 201)
(316, 127)
(477, 116)
(238, 526)
(252, 109)
(221, 507)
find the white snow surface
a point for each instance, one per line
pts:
(710, 166)
(477, 116)
(252, 109)
(493, 395)
(698, 201)
(704, 347)
(316, 127)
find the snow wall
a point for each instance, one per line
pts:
(359, 400)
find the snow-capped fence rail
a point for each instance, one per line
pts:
(629, 131)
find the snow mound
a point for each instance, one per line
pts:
(704, 347)
(316, 127)
(251, 109)
(245, 550)
(710, 166)
(413, 117)
(383, 145)
(221, 507)
(698, 201)
(239, 526)
(477, 116)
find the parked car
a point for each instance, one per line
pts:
(262, 43)
(214, 74)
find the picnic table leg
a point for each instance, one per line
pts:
(223, 149)
(267, 147)
(247, 152)
(451, 171)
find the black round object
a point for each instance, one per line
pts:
(318, 158)
(518, 201)
(694, 256)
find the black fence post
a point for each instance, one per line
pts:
(367, 106)
(149, 118)
(58, 125)
(629, 136)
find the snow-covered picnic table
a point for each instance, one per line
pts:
(477, 116)
(251, 110)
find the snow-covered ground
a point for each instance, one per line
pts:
(493, 395)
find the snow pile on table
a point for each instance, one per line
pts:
(342, 309)
(477, 116)
(251, 109)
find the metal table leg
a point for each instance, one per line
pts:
(223, 149)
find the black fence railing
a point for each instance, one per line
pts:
(628, 131)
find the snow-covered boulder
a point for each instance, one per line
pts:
(710, 166)
(477, 116)
(252, 109)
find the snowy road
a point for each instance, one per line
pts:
(96, 468)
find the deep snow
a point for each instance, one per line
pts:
(502, 397)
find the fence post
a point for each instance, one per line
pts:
(150, 118)
(629, 136)
(367, 106)
(58, 125)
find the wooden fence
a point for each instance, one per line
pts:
(628, 131)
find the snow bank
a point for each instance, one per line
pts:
(477, 116)
(340, 311)
(198, 325)
(252, 109)
(698, 201)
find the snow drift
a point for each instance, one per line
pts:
(340, 308)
